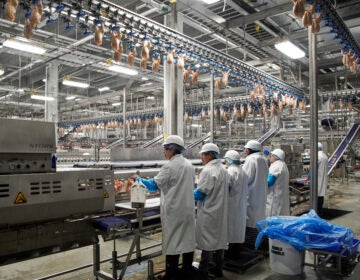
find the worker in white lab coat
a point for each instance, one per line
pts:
(322, 176)
(238, 191)
(212, 211)
(257, 170)
(175, 181)
(278, 186)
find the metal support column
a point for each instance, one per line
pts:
(124, 118)
(51, 90)
(170, 85)
(179, 84)
(314, 120)
(212, 88)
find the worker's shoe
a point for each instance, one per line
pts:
(215, 272)
(200, 275)
(166, 277)
(188, 274)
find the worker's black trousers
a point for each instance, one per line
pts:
(172, 263)
(218, 258)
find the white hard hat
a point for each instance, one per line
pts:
(278, 153)
(209, 147)
(174, 139)
(320, 146)
(233, 155)
(253, 145)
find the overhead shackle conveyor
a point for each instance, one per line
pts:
(338, 27)
(164, 38)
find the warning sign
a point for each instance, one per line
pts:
(20, 198)
(106, 194)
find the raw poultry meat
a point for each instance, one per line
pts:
(28, 30)
(315, 25)
(117, 56)
(156, 63)
(307, 18)
(99, 34)
(332, 106)
(299, 8)
(10, 9)
(181, 62)
(131, 56)
(115, 40)
(195, 75)
(145, 51)
(170, 57)
(40, 7)
(225, 77)
(186, 74)
(218, 84)
(242, 111)
(35, 17)
(186, 117)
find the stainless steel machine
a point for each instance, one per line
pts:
(41, 207)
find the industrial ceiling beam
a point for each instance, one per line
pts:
(251, 18)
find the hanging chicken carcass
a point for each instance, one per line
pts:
(315, 25)
(156, 60)
(181, 61)
(195, 75)
(99, 33)
(299, 8)
(186, 74)
(131, 55)
(307, 18)
(10, 9)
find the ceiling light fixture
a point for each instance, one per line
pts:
(123, 70)
(75, 84)
(42, 97)
(116, 104)
(103, 89)
(147, 84)
(151, 97)
(289, 49)
(25, 46)
(210, 1)
(144, 79)
(2, 70)
(70, 97)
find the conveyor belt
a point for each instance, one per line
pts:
(348, 139)
(129, 164)
(267, 135)
(126, 222)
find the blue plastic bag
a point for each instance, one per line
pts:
(308, 231)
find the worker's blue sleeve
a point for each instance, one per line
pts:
(150, 184)
(198, 195)
(271, 180)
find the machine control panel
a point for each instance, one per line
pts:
(11, 164)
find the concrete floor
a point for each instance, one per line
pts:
(344, 196)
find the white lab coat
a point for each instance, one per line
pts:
(177, 205)
(238, 191)
(278, 194)
(212, 219)
(257, 169)
(322, 173)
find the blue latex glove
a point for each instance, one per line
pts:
(266, 152)
(271, 180)
(150, 184)
(308, 175)
(198, 195)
